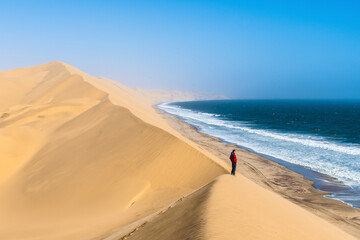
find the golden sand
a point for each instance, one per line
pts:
(87, 158)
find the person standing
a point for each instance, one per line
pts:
(233, 162)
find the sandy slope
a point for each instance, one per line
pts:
(87, 158)
(74, 165)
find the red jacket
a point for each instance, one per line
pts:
(233, 158)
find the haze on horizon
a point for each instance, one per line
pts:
(243, 49)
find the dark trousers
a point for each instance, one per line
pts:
(233, 170)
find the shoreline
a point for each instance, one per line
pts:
(321, 181)
(269, 173)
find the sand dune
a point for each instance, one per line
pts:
(74, 164)
(88, 158)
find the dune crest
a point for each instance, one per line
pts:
(235, 208)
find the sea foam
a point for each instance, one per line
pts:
(340, 160)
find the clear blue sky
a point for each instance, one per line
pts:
(244, 49)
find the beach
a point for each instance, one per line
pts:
(275, 177)
(87, 158)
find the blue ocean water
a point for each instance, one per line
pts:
(318, 138)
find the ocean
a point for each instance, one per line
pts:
(320, 139)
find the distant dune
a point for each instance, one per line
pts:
(159, 96)
(88, 158)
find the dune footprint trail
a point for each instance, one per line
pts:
(223, 210)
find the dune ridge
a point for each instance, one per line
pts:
(88, 158)
(222, 210)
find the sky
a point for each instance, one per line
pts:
(241, 49)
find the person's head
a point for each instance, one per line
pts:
(233, 151)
